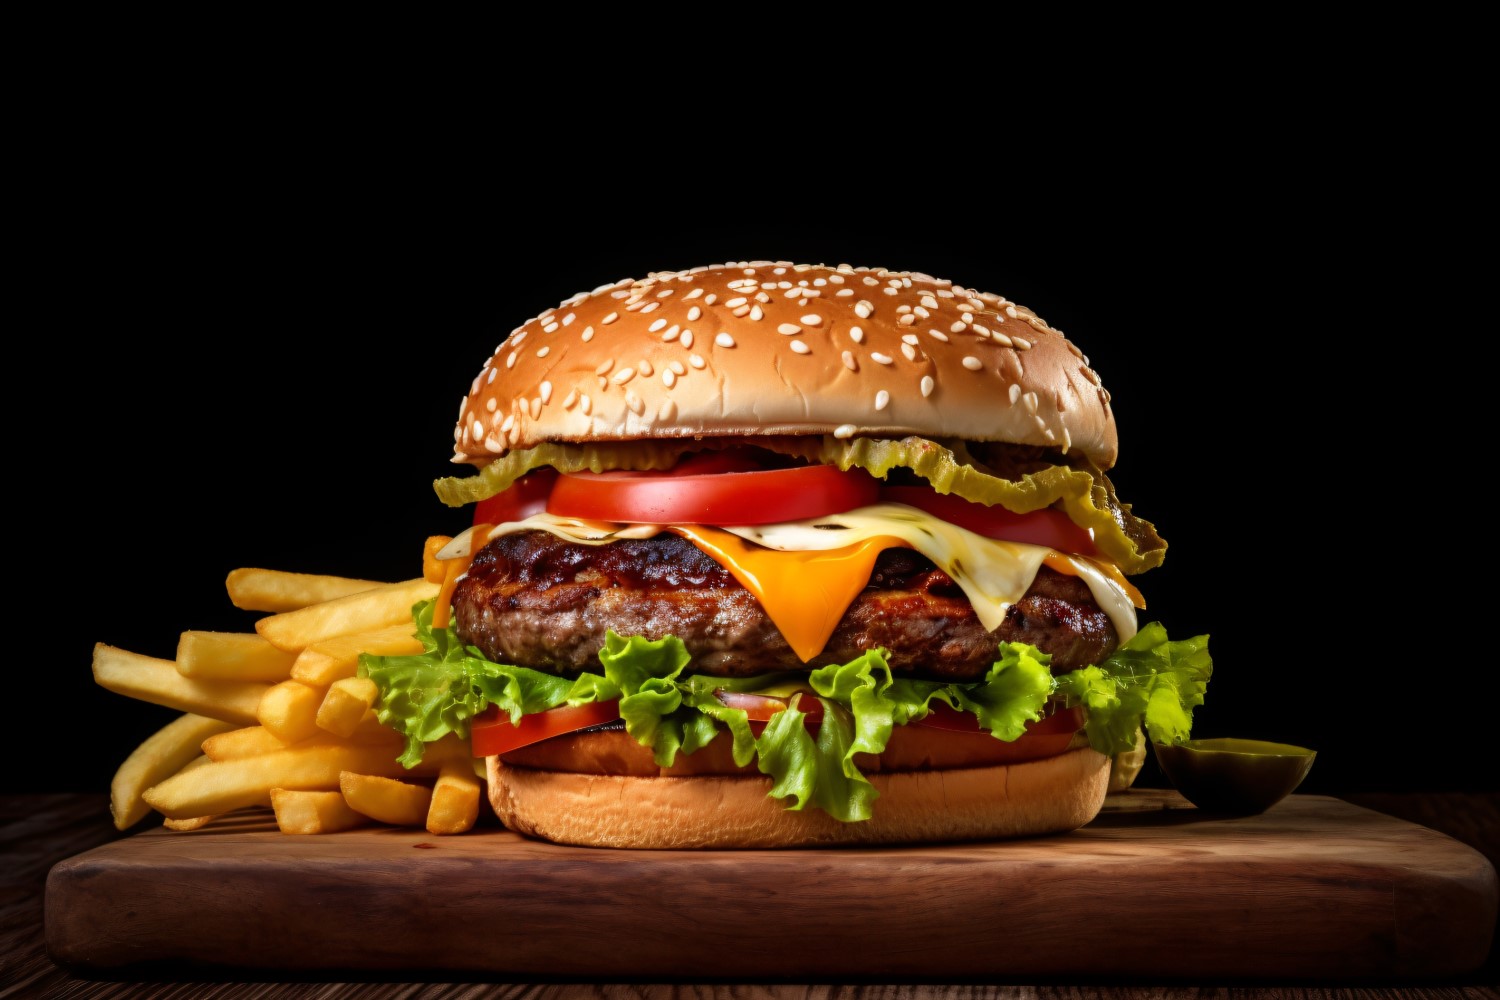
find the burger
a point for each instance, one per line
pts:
(770, 555)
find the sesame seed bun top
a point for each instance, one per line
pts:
(777, 348)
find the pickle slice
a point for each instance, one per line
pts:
(1234, 777)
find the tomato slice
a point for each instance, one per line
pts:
(685, 496)
(1047, 526)
(492, 733)
(525, 497)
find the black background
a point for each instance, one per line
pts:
(261, 358)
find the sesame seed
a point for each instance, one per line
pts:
(723, 340)
(909, 351)
(882, 399)
(677, 366)
(644, 367)
(849, 361)
(800, 346)
(863, 308)
(795, 293)
(923, 313)
(491, 378)
(542, 352)
(671, 334)
(908, 338)
(735, 303)
(604, 366)
(889, 291)
(1011, 312)
(972, 363)
(585, 404)
(820, 282)
(741, 311)
(624, 375)
(695, 293)
(510, 421)
(491, 403)
(618, 295)
(510, 362)
(844, 293)
(633, 305)
(903, 309)
(843, 431)
(907, 320)
(929, 302)
(668, 376)
(656, 326)
(812, 319)
(1022, 344)
(870, 281)
(546, 390)
(570, 399)
(696, 360)
(694, 313)
(668, 410)
(790, 329)
(938, 335)
(878, 358)
(634, 402)
(811, 293)
(1015, 392)
(650, 307)
(588, 334)
(927, 385)
(550, 328)
(610, 318)
(956, 327)
(1002, 339)
(664, 293)
(857, 334)
(756, 313)
(536, 407)
(687, 338)
(710, 299)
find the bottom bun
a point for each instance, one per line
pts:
(594, 810)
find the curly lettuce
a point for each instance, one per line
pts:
(1150, 681)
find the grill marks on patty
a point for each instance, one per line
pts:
(535, 600)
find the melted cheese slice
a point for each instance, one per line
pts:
(831, 559)
(804, 592)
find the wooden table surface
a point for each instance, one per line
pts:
(37, 831)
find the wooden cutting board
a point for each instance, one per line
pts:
(1314, 888)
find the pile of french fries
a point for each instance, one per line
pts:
(280, 718)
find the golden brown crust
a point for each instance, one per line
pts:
(775, 348)
(1044, 796)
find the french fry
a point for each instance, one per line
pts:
(231, 656)
(149, 679)
(240, 743)
(168, 751)
(455, 798)
(303, 812)
(330, 660)
(382, 607)
(432, 567)
(289, 711)
(223, 786)
(345, 705)
(385, 799)
(188, 825)
(256, 740)
(275, 591)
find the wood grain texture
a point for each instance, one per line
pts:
(1314, 889)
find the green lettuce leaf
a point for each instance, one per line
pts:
(1150, 680)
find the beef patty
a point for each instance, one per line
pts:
(534, 600)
